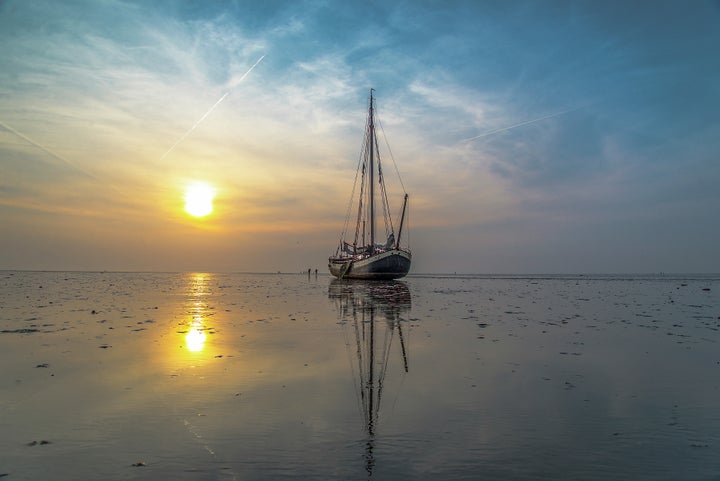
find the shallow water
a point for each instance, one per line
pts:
(119, 376)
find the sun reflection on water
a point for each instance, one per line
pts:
(196, 336)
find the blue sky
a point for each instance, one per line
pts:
(533, 137)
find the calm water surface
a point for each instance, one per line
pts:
(119, 376)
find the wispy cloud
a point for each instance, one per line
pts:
(233, 85)
(96, 92)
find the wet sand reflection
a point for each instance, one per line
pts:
(362, 307)
(195, 325)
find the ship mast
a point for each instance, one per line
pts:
(371, 193)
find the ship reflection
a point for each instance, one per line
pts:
(362, 308)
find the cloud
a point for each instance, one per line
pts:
(106, 88)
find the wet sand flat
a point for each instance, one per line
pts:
(139, 376)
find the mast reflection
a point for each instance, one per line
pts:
(359, 303)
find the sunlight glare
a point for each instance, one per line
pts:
(199, 199)
(195, 338)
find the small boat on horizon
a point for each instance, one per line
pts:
(359, 255)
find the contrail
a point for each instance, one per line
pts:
(497, 131)
(211, 108)
(45, 149)
(193, 127)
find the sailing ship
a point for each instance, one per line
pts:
(361, 256)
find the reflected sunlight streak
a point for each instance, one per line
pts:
(196, 337)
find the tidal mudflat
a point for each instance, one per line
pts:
(119, 376)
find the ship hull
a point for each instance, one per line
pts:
(391, 264)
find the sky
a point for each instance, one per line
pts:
(532, 136)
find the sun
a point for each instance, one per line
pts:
(199, 199)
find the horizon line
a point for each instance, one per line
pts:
(415, 274)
